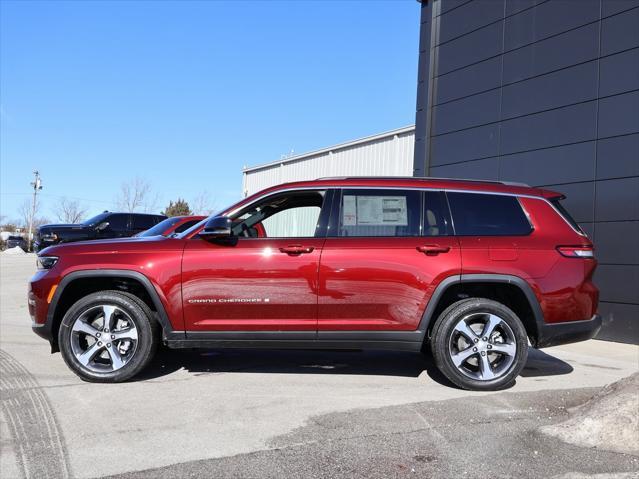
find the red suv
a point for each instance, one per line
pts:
(472, 269)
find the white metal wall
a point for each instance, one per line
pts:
(386, 154)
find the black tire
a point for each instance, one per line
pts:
(444, 335)
(148, 334)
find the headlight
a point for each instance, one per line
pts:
(46, 262)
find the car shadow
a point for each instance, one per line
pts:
(543, 364)
(371, 363)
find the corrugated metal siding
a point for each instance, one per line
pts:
(387, 154)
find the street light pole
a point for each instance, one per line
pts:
(37, 185)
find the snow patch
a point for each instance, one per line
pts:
(608, 421)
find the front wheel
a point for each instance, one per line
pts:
(479, 344)
(108, 336)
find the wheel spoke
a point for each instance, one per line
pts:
(116, 359)
(460, 357)
(131, 333)
(86, 357)
(505, 348)
(485, 369)
(108, 312)
(466, 330)
(491, 324)
(81, 327)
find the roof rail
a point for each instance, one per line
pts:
(508, 183)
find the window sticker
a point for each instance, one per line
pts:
(375, 211)
(349, 211)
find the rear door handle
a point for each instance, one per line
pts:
(433, 249)
(296, 249)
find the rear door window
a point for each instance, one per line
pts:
(118, 222)
(373, 212)
(479, 214)
(143, 222)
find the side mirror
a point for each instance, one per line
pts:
(102, 226)
(217, 228)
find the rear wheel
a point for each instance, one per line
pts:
(108, 336)
(479, 344)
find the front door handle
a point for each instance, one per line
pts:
(433, 249)
(296, 249)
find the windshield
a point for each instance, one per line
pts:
(193, 228)
(161, 227)
(96, 219)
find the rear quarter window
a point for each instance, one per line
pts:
(556, 202)
(478, 214)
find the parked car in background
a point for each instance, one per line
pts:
(103, 226)
(471, 270)
(13, 241)
(172, 225)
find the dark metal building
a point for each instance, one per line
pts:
(544, 92)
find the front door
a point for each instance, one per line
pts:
(267, 279)
(386, 252)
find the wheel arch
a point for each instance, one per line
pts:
(453, 288)
(75, 284)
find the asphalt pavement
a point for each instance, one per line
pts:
(289, 413)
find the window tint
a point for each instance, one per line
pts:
(185, 226)
(290, 215)
(374, 212)
(436, 216)
(556, 202)
(161, 227)
(143, 222)
(93, 221)
(118, 222)
(487, 215)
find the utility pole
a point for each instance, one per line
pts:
(37, 185)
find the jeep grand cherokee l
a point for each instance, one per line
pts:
(103, 226)
(474, 270)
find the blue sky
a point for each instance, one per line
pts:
(184, 94)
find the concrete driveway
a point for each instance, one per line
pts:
(294, 414)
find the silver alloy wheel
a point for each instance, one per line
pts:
(482, 346)
(104, 338)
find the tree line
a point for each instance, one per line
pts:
(135, 196)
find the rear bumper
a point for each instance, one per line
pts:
(570, 332)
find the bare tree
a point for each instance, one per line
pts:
(136, 195)
(25, 210)
(69, 211)
(202, 204)
(39, 221)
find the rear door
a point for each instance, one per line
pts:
(387, 250)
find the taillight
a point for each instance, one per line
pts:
(577, 251)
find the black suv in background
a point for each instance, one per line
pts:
(13, 241)
(105, 225)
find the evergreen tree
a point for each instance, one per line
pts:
(179, 208)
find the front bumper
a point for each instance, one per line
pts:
(569, 332)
